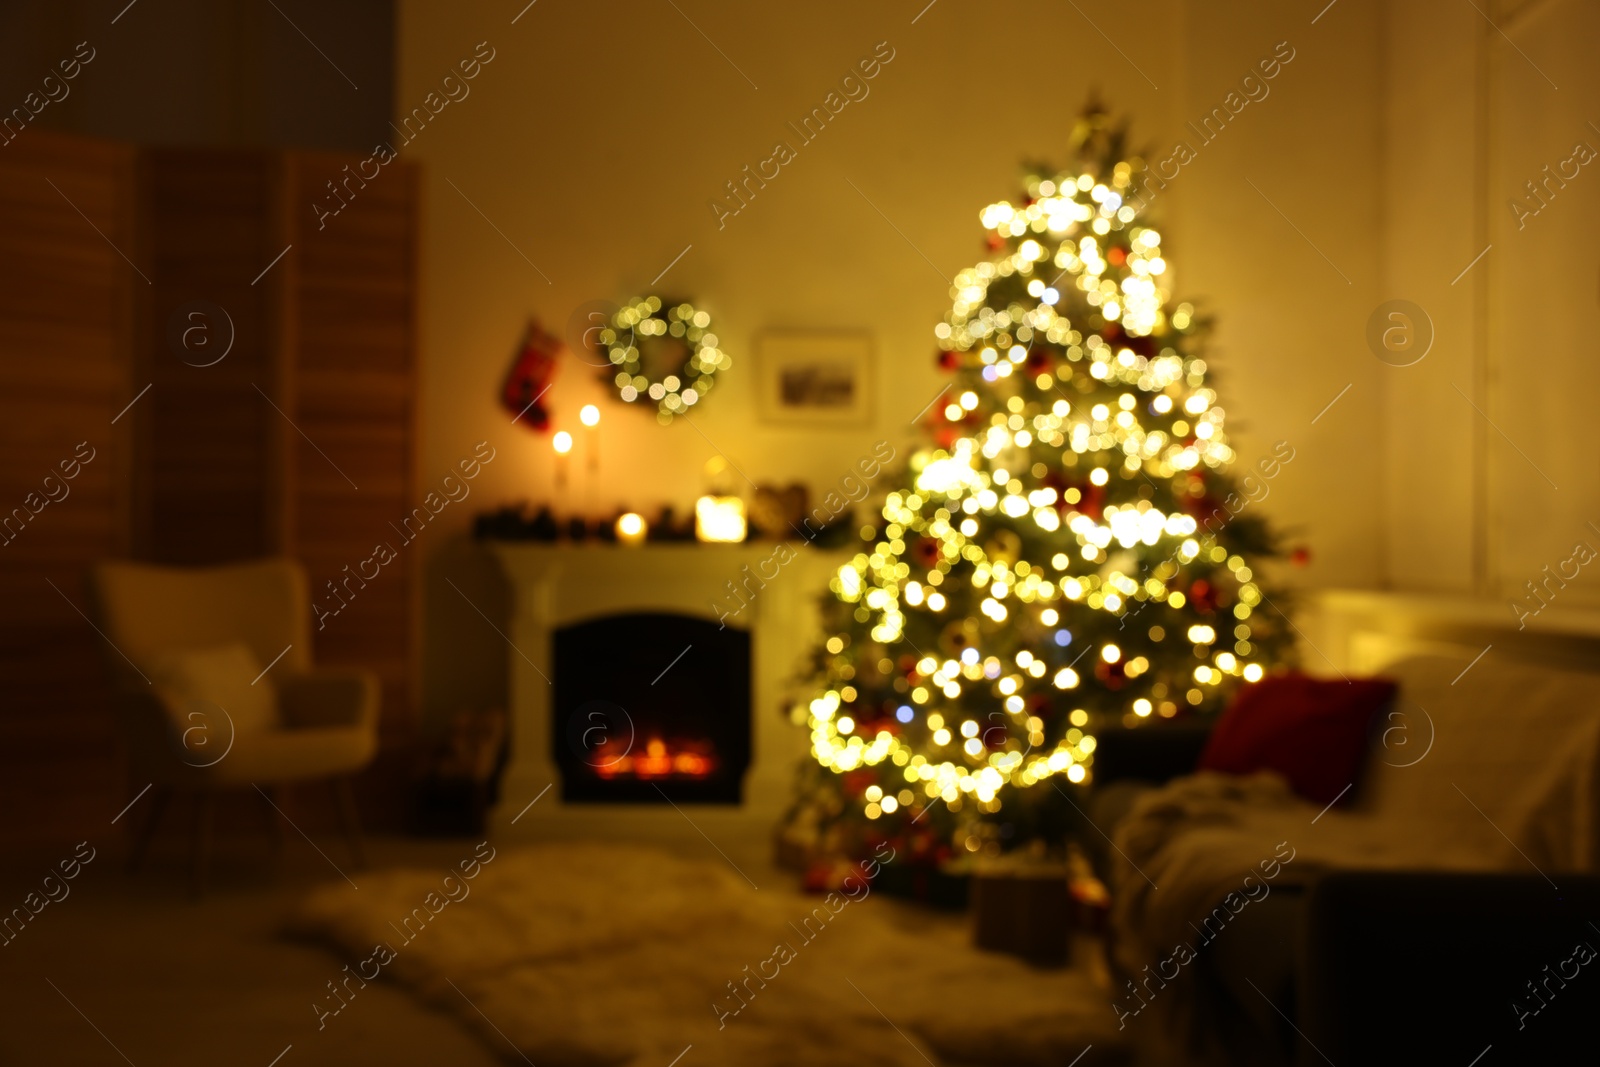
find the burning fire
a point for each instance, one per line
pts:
(658, 760)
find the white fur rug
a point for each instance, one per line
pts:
(598, 955)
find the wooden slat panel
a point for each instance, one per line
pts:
(217, 473)
(353, 389)
(209, 438)
(65, 316)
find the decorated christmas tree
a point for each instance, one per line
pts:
(1071, 551)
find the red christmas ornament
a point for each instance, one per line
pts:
(949, 360)
(1144, 346)
(855, 782)
(995, 242)
(926, 552)
(1203, 595)
(1116, 257)
(1112, 675)
(1198, 503)
(530, 376)
(1091, 500)
(922, 844)
(1301, 556)
(1204, 509)
(1039, 359)
(820, 877)
(831, 874)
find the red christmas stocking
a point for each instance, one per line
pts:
(529, 378)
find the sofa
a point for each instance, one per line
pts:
(1445, 908)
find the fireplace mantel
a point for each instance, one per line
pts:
(557, 585)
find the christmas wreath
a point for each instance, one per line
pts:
(667, 354)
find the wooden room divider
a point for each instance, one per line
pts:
(241, 360)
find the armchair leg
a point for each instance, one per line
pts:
(147, 830)
(201, 859)
(350, 820)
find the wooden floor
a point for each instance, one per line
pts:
(155, 979)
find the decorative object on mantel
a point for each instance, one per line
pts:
(815, 378)
(514, 523)
(719, 514)
(663, 352)
(544, 526)
(530, 377)
(719, 518)
(668, 527)
(777, 512)
(729, 524)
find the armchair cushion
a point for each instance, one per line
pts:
(194, 683)
(329, 726)
(312, 725)
(293, 755)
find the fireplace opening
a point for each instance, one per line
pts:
(651, 707)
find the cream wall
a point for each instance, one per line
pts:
(598, 134)
(1542, 374)
(1433, 227)
(1277, 228)
(1480, 501)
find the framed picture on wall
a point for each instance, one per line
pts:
(822, 378)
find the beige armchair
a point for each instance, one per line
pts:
(323, 722)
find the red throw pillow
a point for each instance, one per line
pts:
(1313, 731)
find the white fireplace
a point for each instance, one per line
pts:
(558, 587)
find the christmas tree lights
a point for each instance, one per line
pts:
(1059, 559)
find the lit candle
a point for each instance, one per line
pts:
(562, 443)
(631, 529)
(590, 417)
(719, 518)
